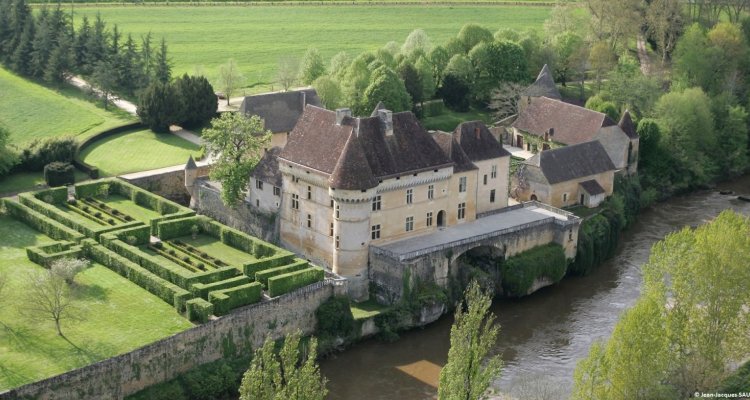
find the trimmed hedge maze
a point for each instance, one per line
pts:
(194, 263)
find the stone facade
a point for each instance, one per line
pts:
(568, 193)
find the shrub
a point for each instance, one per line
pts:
(159, 245)
(228, 299)
(285, 283)
(43, 152)
(335, 318)
(59, 174)
(186, 259)
(98, 214)
(520, 271)
(72, 202)
(111, 221)
(172, 252)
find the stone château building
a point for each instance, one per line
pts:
(279, 110)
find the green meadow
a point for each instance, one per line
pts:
(204, 37)
(112, 316)
(32, 111)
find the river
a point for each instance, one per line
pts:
(542, 336)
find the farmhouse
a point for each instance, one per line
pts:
(578, 174)
(279, 110)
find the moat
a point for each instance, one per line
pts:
(543, 335)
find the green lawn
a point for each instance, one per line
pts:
(367, 309)
(128, 207)
(214, 248)
(32, 111)
(25, 181)
(138, 151)
(258, 36)
(115, 316)
(450, 119)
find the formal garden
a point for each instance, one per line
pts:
(198, 266)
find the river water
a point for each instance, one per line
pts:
(542, 336)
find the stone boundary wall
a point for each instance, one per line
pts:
(244, 216)
(237, 333)
(165, 182)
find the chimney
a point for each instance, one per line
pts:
(304, 99)
(386, 121)
(341, 113)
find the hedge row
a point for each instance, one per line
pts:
(162, 268)
(520, 271)
(142, 235)
(47, 254)
(199, 309)
(264, 275)
(163, 289)
(41, 223)
(228, 299)
(93, 189)
(285, 283)
(139, 196)
(251, 268)
(202, 289)
(186, 213)
(57, 195)
(175, 228)
(246, 243)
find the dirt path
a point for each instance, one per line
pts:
(643, 56)
(122, 104)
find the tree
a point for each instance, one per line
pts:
(386, 86)
(412, 82)
(312, 66)
(416, 43)
(665, 24)
(339, 63)
(494, 63)
(8, 158)
(694, 60)
(471, 35)
(104, 80)
(48, 297)
(614, 22)
(230, 78)
(425, 71)
(731, 128)
(236, 142)
(455, 93)
(602, 60)
(597, 103)
(355, 81)
(329, 92)
(197, 99)
(504, 100)
(158, 107)
(68, 268)
(163, 69)
(468, 373)
(439, 58)
(288, 71)
(60, 61)
(292, 374)
(460, 67)
(568, 51)
(629, 89)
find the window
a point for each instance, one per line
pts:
(257, 203)
(429, 218)
(331, 203)
(338, 241)
(276, 191)
(259, 184)
(462, 184)
(376, 203)
(493, 174)
(565, 197)
(485, 179)
(375, 232)
(492, 196)
(409, 196)
(309, 192)
(337, 210)
(409, 224)
(330, 230)
(309, 220)
(295, 201)
(430, 192)
(461, 210)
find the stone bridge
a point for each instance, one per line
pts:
(504, 233)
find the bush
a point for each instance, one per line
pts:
(285, 283)
(59, 174)
(520, 271)
(228, 299)
(263, 276)
(47, 254)
(43, 152)
(199, 310)
(335, 318)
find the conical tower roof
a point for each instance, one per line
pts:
(378, 107)
(352, 171)
(190, 163)
(627, 125)
(544, 85)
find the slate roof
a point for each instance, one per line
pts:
(627, 125)
(572, 124)
(267, 169)
(357, 153)
(592, 187)
(452, 149)
(280, 111)
(190, 163)
(477, 141)
(543, 86)
(378, 107)
(572, 162)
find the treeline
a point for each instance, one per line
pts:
(48, 46)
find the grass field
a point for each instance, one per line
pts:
(450, 119)
(32, 111)
(25, 181)
(258, 36)
(138, 151)
(115, 316)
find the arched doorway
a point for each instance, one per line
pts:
(533, 197)
(441, 218)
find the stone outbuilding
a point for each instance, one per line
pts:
(280, 111)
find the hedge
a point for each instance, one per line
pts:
(285, 283)
(161, 267)
(240, 240)
(59, 174)
(58, 195)
(142, 235)
(92, 189)
(47, 254)
(161, 288)
(263, 276)
(41, 223)
(199, 310)
(186, 213)
(174, 228)
(519, 272)
(228, 299)
(202, 289)
(251, 268)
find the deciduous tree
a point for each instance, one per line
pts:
(416, 42)
(469, 371)
(48, 297)
(329, 92)
(312, 66)
(236, 143)
(8, 157)
(287, 72)
(230, 78)
(68, 268)
(386, 86)
(471, 35)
